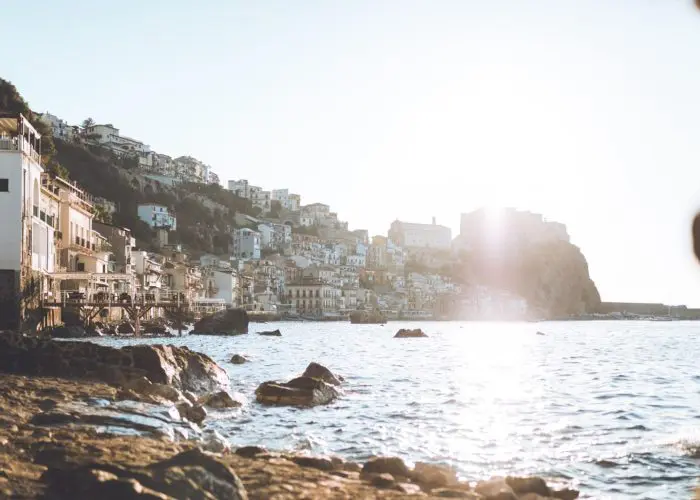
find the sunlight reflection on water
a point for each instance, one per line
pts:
(604, 406)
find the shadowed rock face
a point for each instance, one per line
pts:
(405, 333)
(315, 370)
(228, 322)
(176, 366)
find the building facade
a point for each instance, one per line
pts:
(413, 235)
(246, 244)
(157, 216)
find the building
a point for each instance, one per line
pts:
(222, 283)
(246, 244)
(191, 169)
(122, 244)
(294, 202)
(260, 198)
(509, 228)
(240, 188)
(59, 128)
(313, 297)
(157, 216)
(27, 225)
(412, 235)
(108, 136)
(282, 196)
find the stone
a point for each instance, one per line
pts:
(214, 442)
(68, 332)
(318, 371)
(301, 392)
(227, 322)
(237, 359)
(319, 463)
(454, 493)
(126, 327)
(191, 412)
(533, 484)
(271, 333)
(169, 365)
(495, 488)
(566, 494)
(405, 333)
(434, 475)
(408, 488)
(250, 451)
(391, 465)
(383, 480)
(219, 401)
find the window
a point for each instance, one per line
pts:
(4, 185)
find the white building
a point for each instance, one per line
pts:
(246, 244)
(191, 169)
(157, 216)
(240, 188)
(222, 284)
(59, 128)
(28, 218)
(107, 135)
(412, 235)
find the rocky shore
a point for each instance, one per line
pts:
(99, 422)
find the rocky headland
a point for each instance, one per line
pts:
(79, 420)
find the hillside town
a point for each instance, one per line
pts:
(292, 260)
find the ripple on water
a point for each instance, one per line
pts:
(599, 405)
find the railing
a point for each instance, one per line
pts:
(78, 297)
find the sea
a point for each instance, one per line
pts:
(611, 408)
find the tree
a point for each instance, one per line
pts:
(87, 123)
(275, 208)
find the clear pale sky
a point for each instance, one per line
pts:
(588, 112)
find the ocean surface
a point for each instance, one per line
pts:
(610, 408)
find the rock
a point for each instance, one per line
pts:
(391, 465)
(227, 322)
(191, 474)
(250, 451)
(150, 329)
(155, 393)
(566, 494)
(405, 333)
(191, 412)
(126, 327)
(219, 400)
(315, 370)
(301, 391)
(453, 493)
(495, 488)
(383, 480)
(214, 442)
(433, 475)
(174, 366)
(68, 332)
(408, 488)
(271, 333)
(237, 359)
(319, 463)
(523, 485)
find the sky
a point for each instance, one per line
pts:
(587, 112)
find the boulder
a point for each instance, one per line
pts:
(219, 400)
(154, 329)
(495, 488)
(192, 412)
(320, 463)
(271, 333)
(434, 475)
(169, 365)
(301, 392)
(237, 359)
(227, 322)
(390, 465)
(405, 333)
(214, 442)
(126, 327)
(68, 332)
(154, 393)
(533, 484)
(192, 474)
(315, 370)
(250, 451)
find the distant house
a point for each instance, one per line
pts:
(157, 216)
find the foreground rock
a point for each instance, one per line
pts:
(190, 474)
(237, 359)
(220, 400)
(177, 367)
(227, 322)
(271, 333)
(405, 333)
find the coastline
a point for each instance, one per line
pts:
(59, 436)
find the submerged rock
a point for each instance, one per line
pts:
(408, 333)
(170, 365)
(227, 322)
(315, 370)
(237, 359)
(126, 327)
(301, 391)
(68, 332)
(271, 333)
